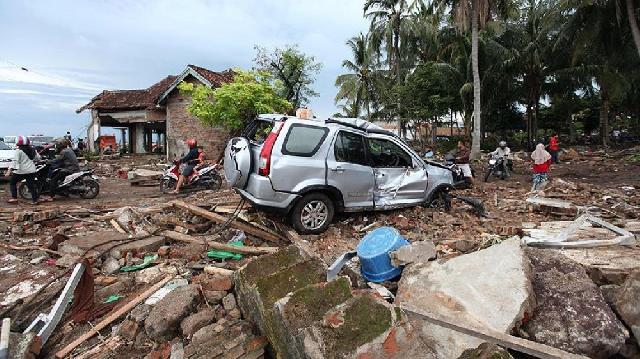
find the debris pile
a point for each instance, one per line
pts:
(555, 273)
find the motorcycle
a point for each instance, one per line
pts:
(459, 180)
(82, 184)
(204, 177)
(498, 167)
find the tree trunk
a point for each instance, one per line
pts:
(572, 129)
(396, 58)
(604, 115)
(631, 14)
(529, 122)
(451, 121)
(475, 145)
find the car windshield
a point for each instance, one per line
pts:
(3, 146)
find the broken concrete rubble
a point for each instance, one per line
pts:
(417, 252)
(571, 313)
(166, 315)
(627, 302)
(490, 288)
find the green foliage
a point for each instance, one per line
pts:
(233, 104)
(293, 69)
(568, 66)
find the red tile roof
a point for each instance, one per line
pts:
(123, 100)
(216, 78)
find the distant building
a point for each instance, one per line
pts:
(161, 110)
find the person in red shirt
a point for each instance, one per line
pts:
(541, 163)
(554, 147)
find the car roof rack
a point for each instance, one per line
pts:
(360, 124)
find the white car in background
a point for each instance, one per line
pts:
(6, 156)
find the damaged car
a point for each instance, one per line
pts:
(311, 169)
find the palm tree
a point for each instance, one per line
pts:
(602, 50)
(389, 26)
(357, 86)
(474, 14)
(633, 24)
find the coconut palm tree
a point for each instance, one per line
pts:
(601, 49)
(390, 28)
(357, 86)
(473, 15)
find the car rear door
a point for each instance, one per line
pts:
(349, 171)
(400, 179)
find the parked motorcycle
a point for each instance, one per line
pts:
(82, 184)
(203, 178)
(498, 167)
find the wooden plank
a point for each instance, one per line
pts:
(221, 219)
(493, 336)
(113, 316)
(254, 251)
(117, 226)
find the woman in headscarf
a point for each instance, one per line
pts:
(541, 163)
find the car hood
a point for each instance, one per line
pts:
(7, 154)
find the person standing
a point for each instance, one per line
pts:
(541, 164)
(23, 168)
(554, 147)
(462, 160)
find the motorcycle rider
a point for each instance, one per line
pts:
(504, 152)
(461, 158)
(190, 160)
(66, 162)
(23, 168)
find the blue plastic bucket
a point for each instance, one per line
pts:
(373, 252)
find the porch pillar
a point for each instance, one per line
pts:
(139, 145)
(93, 131)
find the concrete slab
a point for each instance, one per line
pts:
(489, 288)
(101, 240)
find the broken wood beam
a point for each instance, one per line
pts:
(254, 251)
(249, 229)
(538, 350)
(29, 248)
(113, 316)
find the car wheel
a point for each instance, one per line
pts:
(312, 214)
(441, 200)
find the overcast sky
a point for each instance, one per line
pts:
(75, 49)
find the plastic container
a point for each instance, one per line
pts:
(373, 252)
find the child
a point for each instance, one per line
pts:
(541, 162)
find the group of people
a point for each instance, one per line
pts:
(23, 167)
(541, 159)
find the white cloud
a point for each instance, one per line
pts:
(82, 46)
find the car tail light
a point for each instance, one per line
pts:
(267, 148)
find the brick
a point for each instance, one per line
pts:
(256, 343)
(181, 125)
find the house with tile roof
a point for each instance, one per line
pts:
(159, 109)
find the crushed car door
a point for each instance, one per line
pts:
(400, 180)
(349, 171)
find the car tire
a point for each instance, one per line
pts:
(312, 214)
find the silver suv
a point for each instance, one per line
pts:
(310, 169)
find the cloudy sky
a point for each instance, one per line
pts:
(75, 49)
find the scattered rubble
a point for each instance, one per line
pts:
(171, 279)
